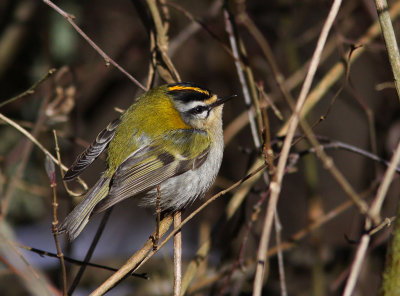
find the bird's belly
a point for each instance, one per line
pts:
(180, 191)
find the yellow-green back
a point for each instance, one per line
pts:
(152, 115)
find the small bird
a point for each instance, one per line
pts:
(171, 137)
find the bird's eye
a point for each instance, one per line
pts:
(199, 109)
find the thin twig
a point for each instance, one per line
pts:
(240, 195)
(160, 50)
(338, 69)
(375, 213)
(33, 280)
(391, 275)
(239, 259)
(278, 230)
(394, 58)
(329, 216)
(293, 122)
(193, 266)
(325, 83)
(289, 244)
(269, 102)
(50, 169)
(351, 148)
(158, 218)
(90, 251)
(134, 260)
(347, 66)
(369, 115)
(30, 137)
(51, 172)
(268, 53)
(333, 170)
(387, 222)
(357, 264)
(196, 25)
(143, 255)
(331, 45)
(229, 27)
(327, 161)
(24, 158)
(37, 143)
(177, 255)
(107, 59)
(74, 261)
(69, 191)
(31, 90)
(233, 206)
(390, 41)
(375, 209)
(204, 205)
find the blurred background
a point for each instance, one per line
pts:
(320, 227)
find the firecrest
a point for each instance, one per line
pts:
(170, 136)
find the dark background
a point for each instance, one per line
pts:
(34, 38)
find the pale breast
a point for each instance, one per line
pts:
(180, 191)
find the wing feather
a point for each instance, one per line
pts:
(147, 168)
(93, 151)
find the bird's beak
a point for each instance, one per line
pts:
(221, 101)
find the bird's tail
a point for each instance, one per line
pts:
(79, 217)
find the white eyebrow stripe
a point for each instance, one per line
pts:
(185, 107)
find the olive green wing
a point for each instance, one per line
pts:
(93, 151)
(168, 156)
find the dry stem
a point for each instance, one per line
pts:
(107, 59)
(52, 175)
(293, 122)
(146, 252)
(177, 255)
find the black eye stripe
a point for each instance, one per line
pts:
(198, 109)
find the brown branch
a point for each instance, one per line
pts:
(51, 173)
(293, 122)
(107, 59)
(244, 72)
(33, 280)
(177, 255)
(390, 41)
(289, 244)
(90, 251)
(282, 277)
(24, 157)
(146, 252)
(32, 138)
(134, 260)
(159, 35)
(338, 69)
(31, 90)
(74, 261)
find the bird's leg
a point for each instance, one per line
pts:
(158, 211)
